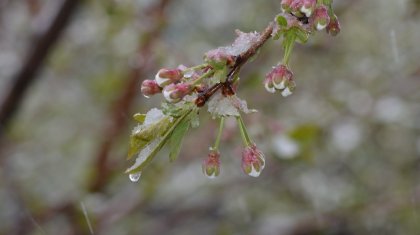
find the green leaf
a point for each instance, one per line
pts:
(138, 167)
(175, 141)
(139, 117)
(143, 137)
(136, 144)
(281, 21)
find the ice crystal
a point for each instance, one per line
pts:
(220, 105)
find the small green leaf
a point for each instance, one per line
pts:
(138, 167)
(136, 145)
(139, 117)
(175, 141)
(143, 137)
(281, 21)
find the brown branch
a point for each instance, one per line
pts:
(36, 58)
(239, 62)
(124, 103)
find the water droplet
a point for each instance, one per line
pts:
(135, 177)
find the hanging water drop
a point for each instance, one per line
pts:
(135, 177)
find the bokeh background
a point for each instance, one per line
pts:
(343, 152)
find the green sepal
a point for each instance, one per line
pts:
(221, 74)
(281, 21)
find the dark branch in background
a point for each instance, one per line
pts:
(122, 106)
(239, 62)
(28, 73)
(103, 168)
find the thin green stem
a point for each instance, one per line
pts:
(288, 47)
(197, 67)
(204, 76)
(219, 134)
(244, 133)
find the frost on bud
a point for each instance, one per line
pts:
(320, 18)
(175, 92)
(165, 77)
(149, 88)
(253, 161)
(219, 58)
(211, 165)
(334, 27)
(280, 78)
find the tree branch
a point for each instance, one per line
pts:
(239, 62)
(36, 58)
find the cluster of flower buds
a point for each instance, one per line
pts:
(211, 165)
(253, 161)
(169, 82)
(318, 14)
(299, 7)
(280, 78)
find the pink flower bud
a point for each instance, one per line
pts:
(334, 27)
(175, 92)
(253, 161)
(149, 88)
(211, 165)
(320, 18)
(280, 78)
(268, 84)
(165, 77)
(308, 7)
(286, 5)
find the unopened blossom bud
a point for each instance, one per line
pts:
(308, 7)
(253, 161)
(149, 88)
(334, 27)
(165, 77)
(320, 18)
(280, 78)
(211, 165)
(175, 92)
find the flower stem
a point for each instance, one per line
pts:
(200, 79)
(289, 43)
(219, 134)
(197, 67)
(244, 133)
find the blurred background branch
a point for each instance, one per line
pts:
(24, 78)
